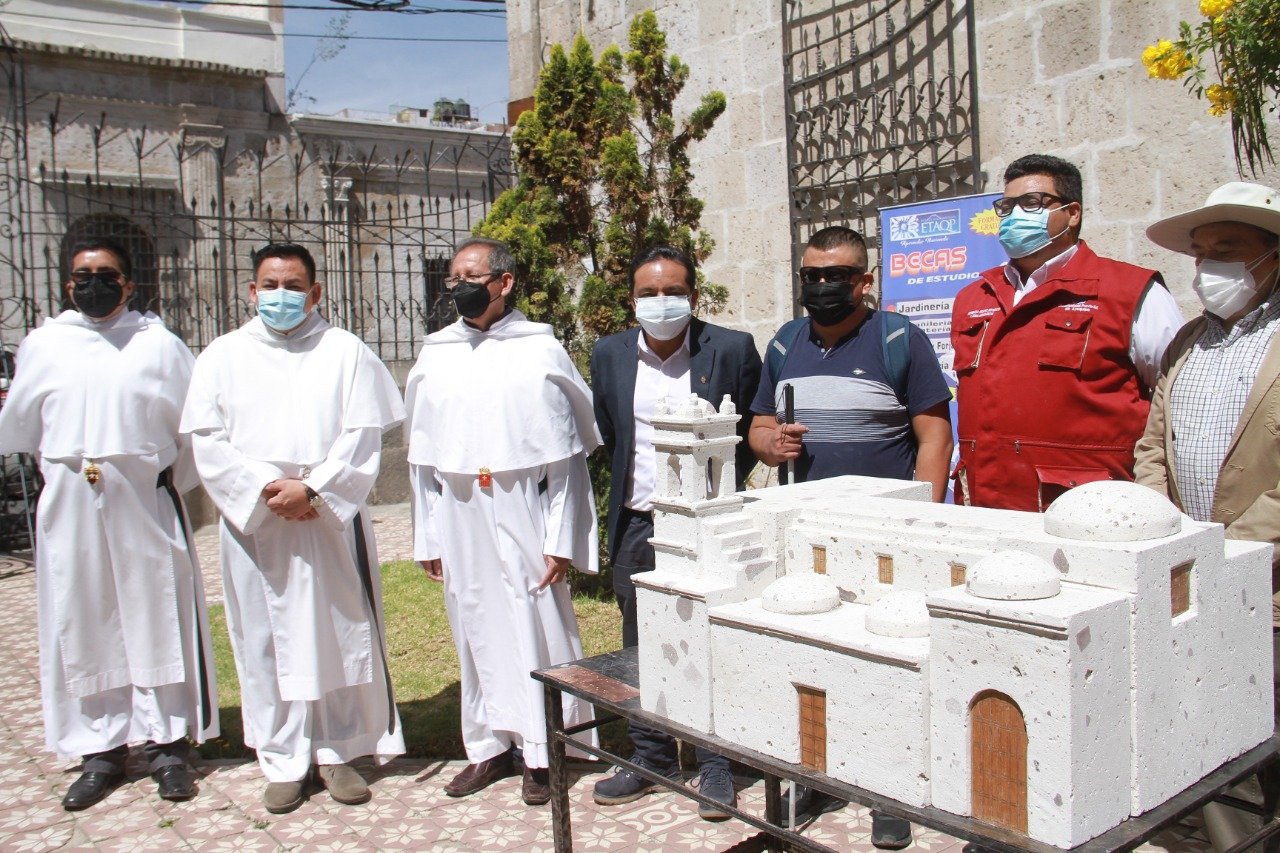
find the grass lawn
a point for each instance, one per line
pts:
(424, 665)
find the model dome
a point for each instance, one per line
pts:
(807, 592)
(1112, 511)
(1013, 576)
(901, 613)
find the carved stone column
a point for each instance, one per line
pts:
(339, 265)
(201, 150)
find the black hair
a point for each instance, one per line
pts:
(286, 251)
(664, 253)
(500, 258)
(1066, 177)
(835, 236)
(104, 244)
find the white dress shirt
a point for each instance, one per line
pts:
(1154, 323)
(655, 380)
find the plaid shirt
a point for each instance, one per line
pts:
(1208, 397)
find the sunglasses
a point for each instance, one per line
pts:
(84, 276)
(817, 275)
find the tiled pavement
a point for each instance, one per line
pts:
(409, 810)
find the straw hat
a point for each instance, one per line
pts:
(1252, 204)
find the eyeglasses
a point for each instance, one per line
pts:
(485, 278)
(85, 276)
(817, 275)
(1030, 202)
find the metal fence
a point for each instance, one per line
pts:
(190, 209)
(881, 108)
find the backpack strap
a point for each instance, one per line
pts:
(896, 348)
(776, 352)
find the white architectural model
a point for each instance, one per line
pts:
(1052, 674)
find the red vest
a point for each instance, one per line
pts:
(1048, 396)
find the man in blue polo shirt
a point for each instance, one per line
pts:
(870, 399)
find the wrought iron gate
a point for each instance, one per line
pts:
(881, 108)
(191, 208)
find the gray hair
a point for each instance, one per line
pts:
(500, 257)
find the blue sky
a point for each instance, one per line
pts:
(378, 76)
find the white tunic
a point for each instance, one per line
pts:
(125, 653)
(304, 610)
(511, 401)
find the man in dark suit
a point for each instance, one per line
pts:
(670, 355)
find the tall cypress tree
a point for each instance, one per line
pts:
(604, 172)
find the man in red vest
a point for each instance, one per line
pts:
(1056, 351)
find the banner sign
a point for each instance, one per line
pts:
(929, 250)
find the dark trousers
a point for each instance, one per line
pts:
(158, 755)
(634, 555)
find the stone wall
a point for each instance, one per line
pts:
(1060, 77)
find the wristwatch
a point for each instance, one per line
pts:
(313, 497)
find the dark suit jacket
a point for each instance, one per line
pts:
(721, 361)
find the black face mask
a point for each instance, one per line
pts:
(828, 302)
(470, 299)
(97, 296)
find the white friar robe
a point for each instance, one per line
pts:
(509, 400)
(125, 655)
(304, 598)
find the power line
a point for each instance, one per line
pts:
(287, 34)
(400, 10)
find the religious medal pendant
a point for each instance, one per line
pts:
(92, 473)
(486, 478)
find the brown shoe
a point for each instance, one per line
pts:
(344, 783)
(535, 790)
(477, 777)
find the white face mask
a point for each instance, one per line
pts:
(663, 317)
(1226, 287)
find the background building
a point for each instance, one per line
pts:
(839, 107)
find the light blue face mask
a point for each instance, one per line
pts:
(1023, 233)
(282, 309)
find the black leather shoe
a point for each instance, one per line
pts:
(90, 788)
(889, 833)
(175, 782)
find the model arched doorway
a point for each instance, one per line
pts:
(998, 759)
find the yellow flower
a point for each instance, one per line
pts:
(1214, 8)
(1221, 99)
(1164, 61)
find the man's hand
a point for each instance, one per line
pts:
(557, 568)
(774, 443)
(288, 499)
(433, 568)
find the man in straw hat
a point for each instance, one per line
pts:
(1210, 442)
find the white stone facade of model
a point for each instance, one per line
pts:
(1093, 661)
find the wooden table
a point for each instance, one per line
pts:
(611, 683)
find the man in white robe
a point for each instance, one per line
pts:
(125, 656)
(286, 416)
(500, 425)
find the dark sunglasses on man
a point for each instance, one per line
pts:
(832, 274)
(84, 276)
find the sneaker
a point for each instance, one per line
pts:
(716, 783)
(625, 787)
(809, 805)
(889, 833)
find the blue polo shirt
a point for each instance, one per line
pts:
(857, 424)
